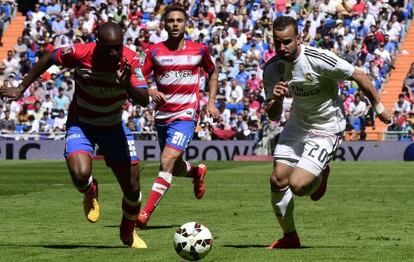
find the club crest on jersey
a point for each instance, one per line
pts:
(308, 77)
(139, 74)
(68, 49)
(142, 57)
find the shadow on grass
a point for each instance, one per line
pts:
(68, 246)
(152, 227)
(303, 247)
(245, 246)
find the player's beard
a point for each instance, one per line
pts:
(291, 55)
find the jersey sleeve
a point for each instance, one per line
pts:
(147, 64)
(206, 61)
(271, 75)
(68, 56)
(334, 67)
(138, 80)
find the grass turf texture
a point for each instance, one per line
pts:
(366, 215)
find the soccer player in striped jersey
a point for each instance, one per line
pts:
(175, 65)
(317, 122)
(106, 74)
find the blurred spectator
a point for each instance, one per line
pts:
(7, 125)
(234, 92)
(59, 122)
(10, 63)
(402, 106)
(408, 83)
(356, 113)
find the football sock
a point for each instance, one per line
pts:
(187, 170)
(283, 205)
(130, 208)
(88, 187)
(159, 188)
(191, 171)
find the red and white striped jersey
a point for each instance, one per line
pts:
(177, 74)
(98, 98)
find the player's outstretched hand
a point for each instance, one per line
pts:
(123, 74)
(280, 89)
(385, 117)
(13, 93)
(158, 97)
(213, 111)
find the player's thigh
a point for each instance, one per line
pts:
(117, 145)
(78, 150)
(318, 151)
(179, 134)
(77, 140)
(290, 146)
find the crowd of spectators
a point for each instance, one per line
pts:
(238, 33)
(403, 110)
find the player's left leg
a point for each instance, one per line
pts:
(128, 179)
(311, 175)
(174, 138)
(184, 168)
(183, 132)
(120, 155)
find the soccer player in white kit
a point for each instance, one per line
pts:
(315, 127)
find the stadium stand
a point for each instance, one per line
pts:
(239, 36)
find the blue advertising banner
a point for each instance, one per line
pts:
(210, 150)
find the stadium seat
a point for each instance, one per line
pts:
(357, 124)
(31, 55)
(145, 16)
(43, 8)
(20, 128)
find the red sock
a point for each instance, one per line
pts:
(90, 188)
(159, 188)
(130, 209)
(191, 171)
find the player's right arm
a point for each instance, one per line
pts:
(37, 70)
(276, 89)
(365, 84)
(274, 103)
(65, 56)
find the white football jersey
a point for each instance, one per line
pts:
(312, 79)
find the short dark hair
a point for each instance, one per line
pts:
(172, 8)
(282, 22)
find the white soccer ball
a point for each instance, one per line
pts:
(193, 241)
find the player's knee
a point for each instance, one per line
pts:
(277, 182)
(168, 162)
(80, 172)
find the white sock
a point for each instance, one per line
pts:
(283, 205)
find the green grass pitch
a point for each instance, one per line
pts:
(366, 215)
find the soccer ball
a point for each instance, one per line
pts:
(192, 241)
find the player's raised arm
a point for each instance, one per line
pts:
(210, 68)
(212, 87)
(369, 90)
(37, 70)
(134, 81)
(274, 103)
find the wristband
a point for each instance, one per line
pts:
(379, 108)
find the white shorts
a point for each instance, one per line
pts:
(308, 149)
